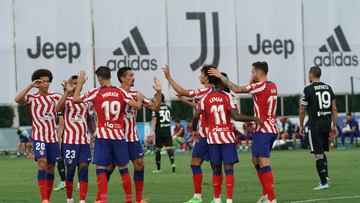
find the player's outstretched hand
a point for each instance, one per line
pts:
(82, 77)
(333, 134)
(301, 130)
(166, 71)
(195, 136)
(36, 83)
(157, 84)
(214, 72)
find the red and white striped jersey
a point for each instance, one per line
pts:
(43, 114)
(130, 130)
(75, 117)
(109, 104)
(198, 94)
(215, 107)
(265, 102)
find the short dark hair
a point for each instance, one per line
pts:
(74, 77)
(205, 69)
(349, 114)
(103, 72)
(261, 65)
(162, 98)
(177, 121)
(121, 72)
(41, 73)
(315, 71)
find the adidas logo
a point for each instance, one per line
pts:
(138, 58)
(336, 48)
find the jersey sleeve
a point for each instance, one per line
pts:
(198, 93)
(146, 102)
(201, 104)
(232, 100)
(254, 88)
(29, 98)
(332, 94)
(127, 96)
(56, 97)
(90, 95)
(306, 97)
(153, 114)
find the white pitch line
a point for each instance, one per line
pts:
(326, 199)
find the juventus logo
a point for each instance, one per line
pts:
(201, 16)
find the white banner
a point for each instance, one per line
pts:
(55, 35)
(7, 65)
(267, 33)
(132, 33)
(201, 32)
(332, 41)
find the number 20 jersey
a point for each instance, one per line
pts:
(109, 104)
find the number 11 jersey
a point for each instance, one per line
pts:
(109, 104)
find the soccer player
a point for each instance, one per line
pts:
(319, 103)
(61, 162)
(21, 148)
(201, 149)
(76, 146)
(110, 146)
(160, 123)
(218, 106)
(45, 139)
(126, 77)
(264, 95)
(352, 131)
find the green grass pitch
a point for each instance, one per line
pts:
(294, 173)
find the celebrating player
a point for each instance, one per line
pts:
(160, 123)
(218, 106)
(110, 144)
(45, 139)
(319, 102)
(76, 145)
(201, 149)
(126, 77)
(264, 95)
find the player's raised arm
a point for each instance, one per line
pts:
(61, 104)
(302, 110)
(185, 101)
(235, 88)
(178, 89)
(20, 97)
(155, 105)
(81, 81)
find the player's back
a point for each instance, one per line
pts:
(163, 119)
(216, 106)
(319, 97)
(109, 103)
(265, 103)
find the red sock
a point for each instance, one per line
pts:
(260, 176)
(83, 190)
(197, 179)
(269, 184)
(217, 183)
(102, 185)
(69, 189)
(43, 189)
(229, 185)
(97, 198)
(247, 142)
(49, 187)
(126, 183)
(139, 188)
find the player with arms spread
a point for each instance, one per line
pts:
(45, 139)
(264, 95)
(110, 145)
(201, 148)
(77, 152)
(319, 103)
(218, 106)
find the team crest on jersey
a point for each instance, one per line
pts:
(70, 161)
(273, 91)
(41, 152)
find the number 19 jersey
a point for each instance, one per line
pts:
(109, 104)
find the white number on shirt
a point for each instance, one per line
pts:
(324, 99)
(219, 114)
(112, 108)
